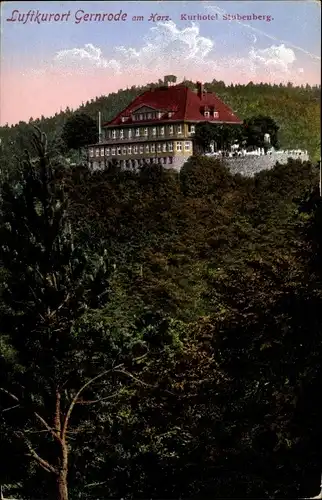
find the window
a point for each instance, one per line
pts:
(91, 152)
(170, 159)
(130, 133)
(102, 151)
(129, 150)
(137, 132)
(97, 152)
(113, 151)
(171, 130)
(170, 147)
(216, 114)
(118, 151)
(113, 134)
(145, 132)
(207, 114)
(162, 131)
(187, 146)
(107, 134)
(159, 148)
(147, 148)
(159, 114)
(121, 134)
(179, 146)
(170, 114)
(107, 152)
(136, 150)
(141, 149)
(124, 151)
(154, 131)
(149, 116)
(152, 148)
(192, 129)
(164, 147)
(123, 119)
(141, 117)
(179, 129)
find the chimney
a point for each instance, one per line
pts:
(200, 90)
(99, 127)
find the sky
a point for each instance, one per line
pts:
(51, 62)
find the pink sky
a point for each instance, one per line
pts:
(35, 94)
(47, 67)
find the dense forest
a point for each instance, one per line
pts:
(161, 331)
(296, 110)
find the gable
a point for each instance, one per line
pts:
(143, 109)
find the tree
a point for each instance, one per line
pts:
(51, 366)
(257, 126)
(79, 131)
(205, 134)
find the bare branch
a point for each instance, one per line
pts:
(124, 372)
(9, 394)
(50, 315)
(47, 426)
(43, 463)
(75, 399)
(11, 408)
(81, 402)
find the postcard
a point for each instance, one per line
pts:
(160, 249)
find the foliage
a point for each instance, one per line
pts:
(79, 131)
(257, 127)
(212, 305)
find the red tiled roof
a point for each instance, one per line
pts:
(183, 102)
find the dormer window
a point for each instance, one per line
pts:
(170, 114)
(141, 117)
(206, 114)
(159, 114)
(216, 114)
(124, 119)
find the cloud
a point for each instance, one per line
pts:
(84, 58)
(276, 57)
(185, 52)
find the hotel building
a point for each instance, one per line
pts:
(158, 127)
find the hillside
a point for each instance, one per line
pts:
(295, 109)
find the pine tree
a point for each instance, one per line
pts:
(48, 363)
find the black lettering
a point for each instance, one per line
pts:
(37, 18)
(12, 19)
